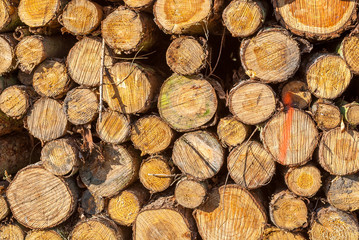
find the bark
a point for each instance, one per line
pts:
(273, 233)
(21, 32)
(326, 114)
(8, 125)
(9, 18)
(350, 112)
(190, 193)
(114, 127)
(7, 57)
(232, 132)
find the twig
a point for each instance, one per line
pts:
(219, 54)
(101, 77)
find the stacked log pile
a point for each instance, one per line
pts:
(191, 119)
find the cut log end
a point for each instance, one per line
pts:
(15, 101)
(273, 233)
(232, 132)
(4, 208)
(298, 93)
(190, 193)
(351, 113)
(114, 127)
(138, 4)
(326, 114)
(43, 234)
(11, 231)
(91, 203)
(350, 52)
(30, 52)
(9, 18)
(7, 49)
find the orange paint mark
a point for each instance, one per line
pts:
(287, 100)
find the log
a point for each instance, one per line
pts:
(8, 125)
(186, 103)
(46, 120)
(50, 79)
(124, 207)
(61, 157)
(11, 232)
(221, 217)
(141, 5)
(320, 21)
(327, 76)
(187, 55)
(6, 81)
(38, 199)
(161, 219)
(304, 181)
(243, 18)
(190, 193)
(114, 127)
(43, 234)
(151, 135)
(350, 112)
(9, 18)
(4, 208)
(349, 51)
(250, 165)
(288, 211)
(127, 31)
(198, 154)
(111, 170)
(271, 56)
(326, 114)
(7, 48)
(252, 102)
(329, 222)
(81, 106)
(92, 204)
(130, 88)
(290, 137)
(156, 174)
(298, 92)
(84, 61)
(338, 151)
(232, 132)
(273, 233)
(81, 17)
(34, 49)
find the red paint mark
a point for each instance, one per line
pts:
(287, 100)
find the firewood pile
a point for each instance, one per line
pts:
(179, 119)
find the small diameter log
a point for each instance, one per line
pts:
(46, 120)
(84, 61)
(339, 151)
(351, 113)
(190, 193)
(130, 88)
(250, 165)
(38, 199)
(7, 49)
(252, 102)
(61, 157)
(114, 127)
(317, 21)
(50, 79)
(8, 125)
(81, 17)
(151, 135)
(271, 56)
(232, 132)
(124, 207)
(107, 172)
(326, 114)
(327, 76)
(288, 211)
(244, 17)
(7, 81)
(43, 234)
(304, 181)
(4, 208)
(187, 55)
(97, 228)
(11, 232)
(290, 137)
(15, 152)
(163, 220)
(221, 217)
(331, 223)
(16, 100)
(92, 204)
(34, 49)
(9, 18)
(198, 154)
(139, 4)
(343, 192)
(187, 103)
(127, 31)
(81, 106)
(298, 92)
(349, 51)
(273, 233)
(156, 174)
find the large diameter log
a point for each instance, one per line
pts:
(198, 154)
(326, 114)
(273, 233)
(38, 199)
(114, 127)
(126, 31)
(110, 171)
(331, 223)
(9, 18)
(8, 125)
(351, 113)
(92, 204)
(349, 50)
(221, 217)
(290, 137)
(327, 76)
(11, 232)
(232, 132)
(163, 220)
(252, 102)
(318, 21)
(190, 193)
(187, 103)
(81, 17)
(43, 234)
(339, 151)
(298, 93)
(244, 17)
(84, 61)
(7, 57)
(130, 88)
(46, 120)
(250, 165)
(271, 56)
